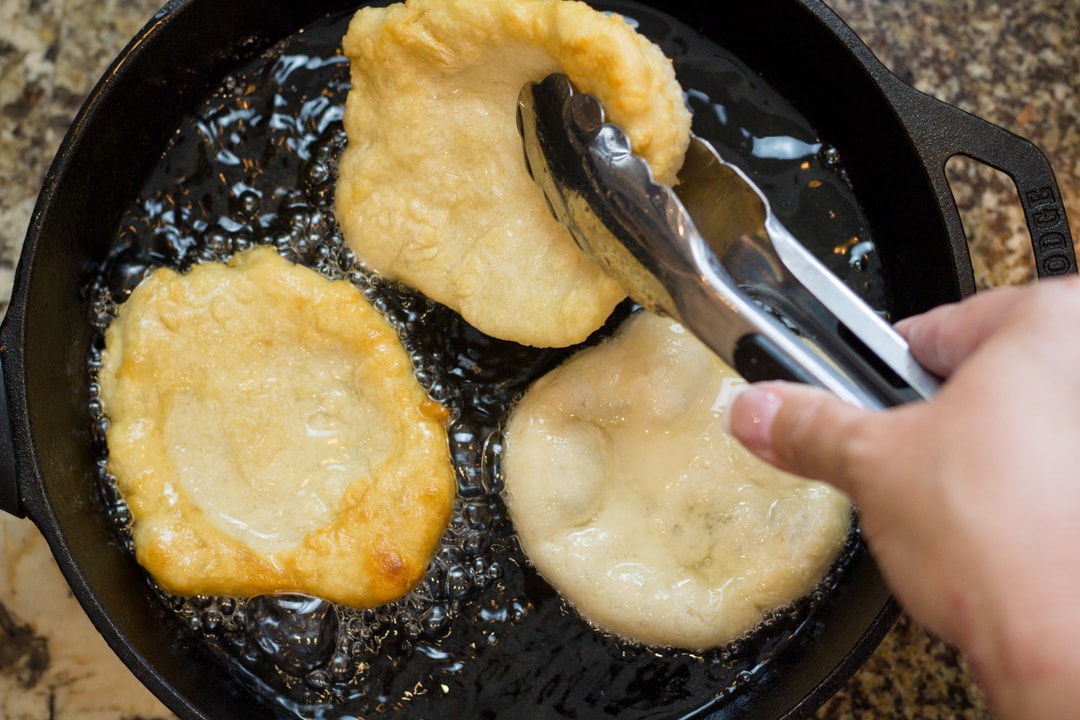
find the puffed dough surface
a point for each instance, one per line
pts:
(268, 434)
(433, 189)
(629, 497)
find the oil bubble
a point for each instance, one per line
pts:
(296, 631)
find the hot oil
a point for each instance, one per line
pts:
(482, 634)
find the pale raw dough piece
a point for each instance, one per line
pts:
(630, 498)
(268, 434)
(433, 190)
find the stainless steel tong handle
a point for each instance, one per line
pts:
(710, 254)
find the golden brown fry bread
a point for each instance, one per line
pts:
(268, 434)
(433, 189)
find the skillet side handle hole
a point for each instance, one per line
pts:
(994, 224)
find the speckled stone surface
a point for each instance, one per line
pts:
(1015, 64)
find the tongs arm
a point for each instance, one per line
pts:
(710, 254)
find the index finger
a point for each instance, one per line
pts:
(942, 338)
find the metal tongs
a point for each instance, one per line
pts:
(710, 254)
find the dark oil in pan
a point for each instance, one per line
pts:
(482, 636)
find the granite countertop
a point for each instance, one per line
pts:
(1013, 64)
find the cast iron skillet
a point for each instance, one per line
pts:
(895, 142)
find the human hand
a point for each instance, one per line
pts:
(970, 502)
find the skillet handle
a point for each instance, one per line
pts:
(10, 501)
(942, 131)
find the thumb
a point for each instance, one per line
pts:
(803, 430)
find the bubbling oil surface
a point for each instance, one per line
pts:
(482, 634)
